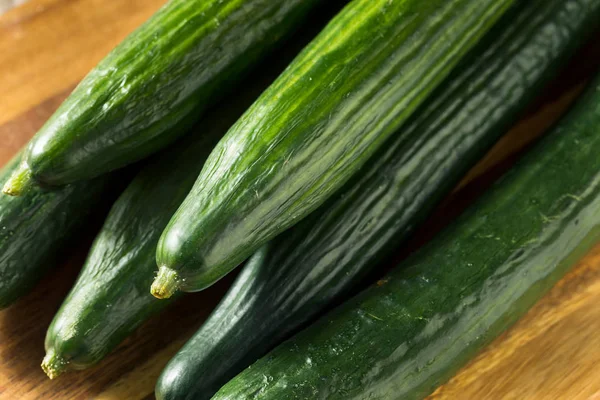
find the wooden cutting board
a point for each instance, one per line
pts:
(47, 46)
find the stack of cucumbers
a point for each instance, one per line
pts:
(306, 140)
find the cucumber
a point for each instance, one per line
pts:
(37, 228)
(299, 273)
(413, 330)
(110, 298)
(151, 87)
(313, 128)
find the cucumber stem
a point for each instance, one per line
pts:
(165, 284)
(53, 364)
(19, 181)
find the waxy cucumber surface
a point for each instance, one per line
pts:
(412, 331)
(315, 126)
(303, 271)
(154, 85)
(110, 299)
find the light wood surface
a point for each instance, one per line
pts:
(47, 46)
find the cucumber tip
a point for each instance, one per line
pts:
(53, 365)
(19, 181)
(165, 284)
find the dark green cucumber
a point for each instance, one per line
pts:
(300, 272)
(352, 87)
(151, 87)
(37, 228)
(111, 298)
(413, 330)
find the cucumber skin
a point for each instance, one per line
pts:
(154, 85)
(291, 279)
(283, 159)
(110, 298)
(37, 228)
(413, 330)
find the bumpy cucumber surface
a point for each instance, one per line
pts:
(414, 329)
(314, 128)
(37, 228)
(111, 298)
(151, 87)
(300, 272)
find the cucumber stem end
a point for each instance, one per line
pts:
(165, 284)
(19, 181)
(53, 364)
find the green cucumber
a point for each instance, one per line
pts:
(300, 272)
(412, 331)
(150, 88)
(37, 228)
(350, 89)
(110, 298)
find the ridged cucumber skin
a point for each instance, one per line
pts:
(299, 273)
(315, 127)
(37, 228)
(110, 299)
(413, 330)
(154, 85)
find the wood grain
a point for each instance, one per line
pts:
(47, 46)
(552, 353)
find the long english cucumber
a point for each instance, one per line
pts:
(301, 272)
(315, 126)
(110, 298)
(404, 336)
(154, 85)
